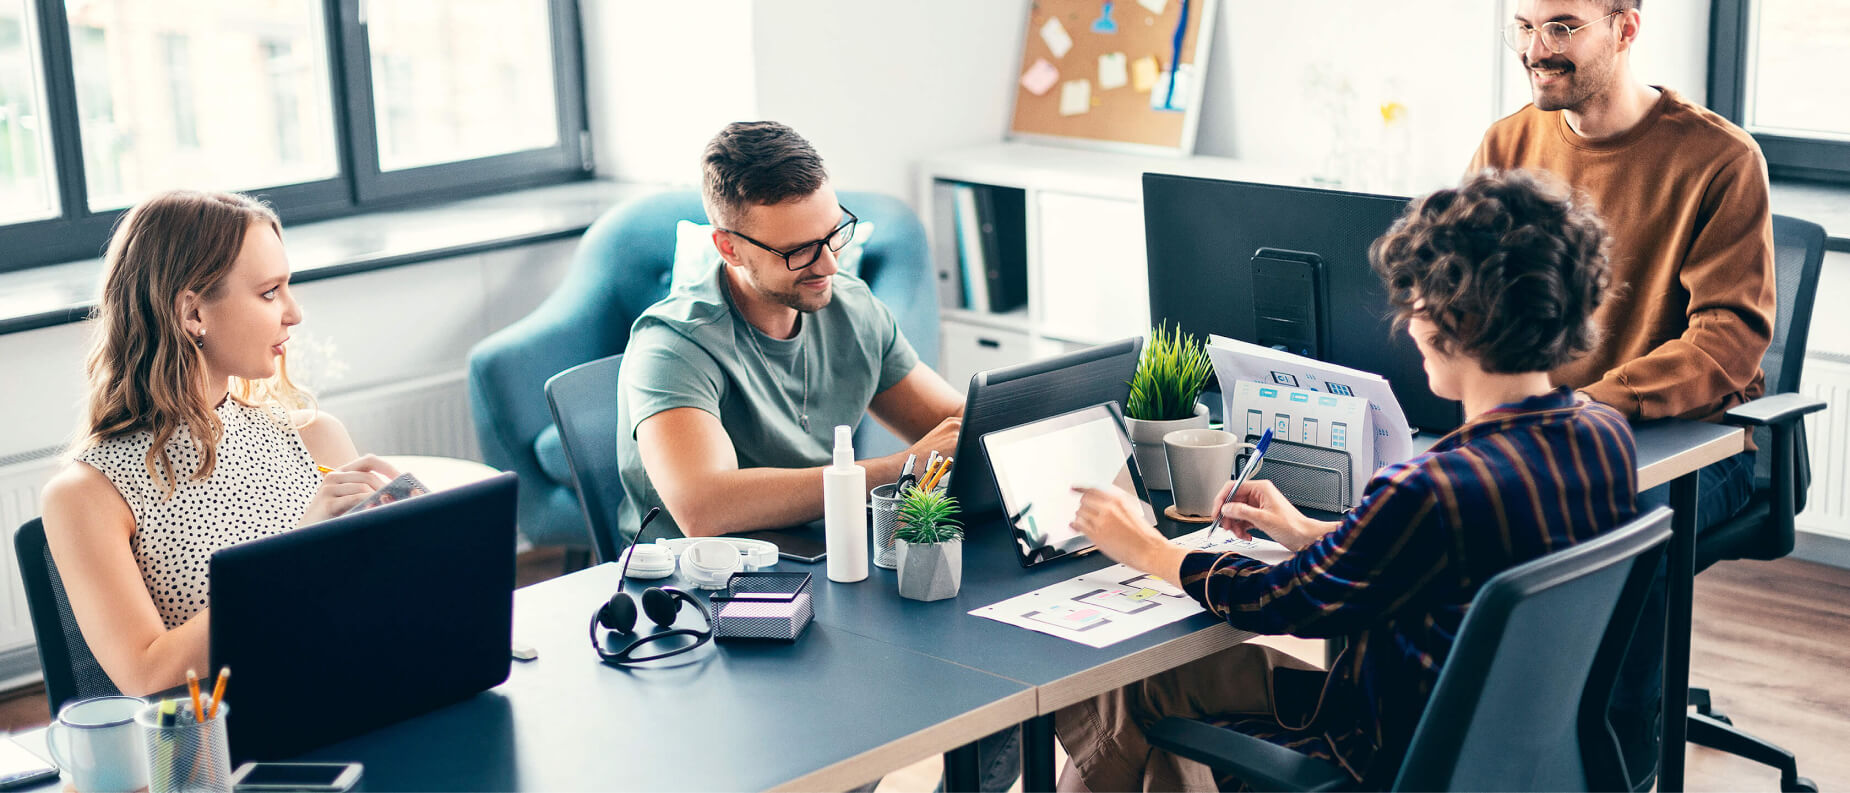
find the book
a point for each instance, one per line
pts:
(945, 257)
(970, 249)
(405, 486)
(1003, 215)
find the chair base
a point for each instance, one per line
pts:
(1716, 732)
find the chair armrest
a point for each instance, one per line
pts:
(1773, 409)
(1261, 764)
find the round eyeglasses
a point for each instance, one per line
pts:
(806, 254)
(1556, 36)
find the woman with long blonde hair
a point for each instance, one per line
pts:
(194, 438)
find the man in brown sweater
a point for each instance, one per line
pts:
(1683, 193)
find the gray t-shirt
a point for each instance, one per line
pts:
(693, 349)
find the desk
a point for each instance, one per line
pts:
(828, 712)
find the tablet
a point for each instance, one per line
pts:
(803, 543)
(1037, 465)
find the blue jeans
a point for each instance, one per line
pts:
(1722, 489)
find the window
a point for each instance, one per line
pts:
(1776, 69)
(28, 190)
(321, 107)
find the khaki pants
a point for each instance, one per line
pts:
(1105, 735)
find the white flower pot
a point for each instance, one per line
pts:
(1147, 444)
(930, 571)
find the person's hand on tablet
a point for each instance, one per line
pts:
(1113, 520)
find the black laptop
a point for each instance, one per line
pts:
(342, 627)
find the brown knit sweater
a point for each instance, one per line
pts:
(1684, 196)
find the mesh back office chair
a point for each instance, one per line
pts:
(1764, 528)
(71, 672)
(1521, 702)
(584, 407)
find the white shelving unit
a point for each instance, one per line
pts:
(1087, 278)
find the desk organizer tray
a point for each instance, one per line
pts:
(763, 605)
(1309, 476)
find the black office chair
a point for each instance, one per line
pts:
(1521, 702)
(584, 407)
(71, 671)
(1764, 528)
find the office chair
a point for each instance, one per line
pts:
(71, 671)
(1763, 529)
(584, 408)
(622, 266)
(1521, 702)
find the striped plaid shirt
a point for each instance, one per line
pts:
(1398, 574)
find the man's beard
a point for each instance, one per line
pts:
(795, 298)
(1575, 86)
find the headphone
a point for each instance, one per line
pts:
(660, 604)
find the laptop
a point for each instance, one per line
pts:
(1002, 398)
(348, 625)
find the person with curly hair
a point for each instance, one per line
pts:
(1497, 282)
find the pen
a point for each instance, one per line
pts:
(1246, 472)
(905, 473)
(192, 685)
(218, 691)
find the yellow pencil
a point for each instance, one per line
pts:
(192, 685)
(930, 471)
(943, 467)
(218, 691)
(323, 469)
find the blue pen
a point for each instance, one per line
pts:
(1246, 472)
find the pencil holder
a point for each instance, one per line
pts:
(885, 502)
(188, 755)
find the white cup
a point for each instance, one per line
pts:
(96, 742)
(1200, 463)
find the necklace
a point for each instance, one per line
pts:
(752, 333)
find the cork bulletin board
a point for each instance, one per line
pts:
(1100, 73)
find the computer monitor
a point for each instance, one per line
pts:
(1285, 267)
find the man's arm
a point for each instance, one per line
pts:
(1729, 275)
(916, 404)
(695, 469)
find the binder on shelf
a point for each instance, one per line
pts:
(1003, 213)
(970, 252)
(946, 246)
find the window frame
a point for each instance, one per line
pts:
(1788, 156)
(357, 187)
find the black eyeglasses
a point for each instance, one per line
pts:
(806, 254)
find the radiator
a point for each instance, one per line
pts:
(428, 416)
(1827, 510)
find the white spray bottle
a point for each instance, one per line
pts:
(844, 511)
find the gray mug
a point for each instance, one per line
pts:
(1200, 464)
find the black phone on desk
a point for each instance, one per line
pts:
(19, 766)
(318, 777)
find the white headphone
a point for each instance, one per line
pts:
(707, 568)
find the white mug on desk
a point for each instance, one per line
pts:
(97, 743)
(1200, 463)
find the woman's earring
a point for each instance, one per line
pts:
(199, 341)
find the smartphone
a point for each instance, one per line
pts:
(323, 777)
(19, 766)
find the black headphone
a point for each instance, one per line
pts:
(660, 604)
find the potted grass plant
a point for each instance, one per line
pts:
(1165, 392)
(931, 545)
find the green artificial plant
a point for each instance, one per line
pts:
(1170, 374)
(927, 516)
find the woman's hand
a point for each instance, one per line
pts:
(1260, 506)
(1113, 520)
(346, 486)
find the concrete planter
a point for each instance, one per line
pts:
(930, 571)
(1147, 444)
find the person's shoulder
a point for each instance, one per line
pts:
(317, 426)
(80, 489)
(1707, 134)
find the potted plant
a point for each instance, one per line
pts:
(1170, 374)
(931, 545)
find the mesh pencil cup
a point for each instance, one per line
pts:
(187, 755)
(885, 502)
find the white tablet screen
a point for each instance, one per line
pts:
(1036, 466)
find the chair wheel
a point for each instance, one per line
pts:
(1798, 785)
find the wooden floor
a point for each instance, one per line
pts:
(1772, 642)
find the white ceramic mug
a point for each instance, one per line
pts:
(96, 742)
(1200, 463)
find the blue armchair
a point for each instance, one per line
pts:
(621, 267)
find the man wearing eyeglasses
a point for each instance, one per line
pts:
(732, 386)
(1684, 194)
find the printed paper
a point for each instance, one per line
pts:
(1143, 74)
(1075, 97)
(1058, 41)
(1155, 6)
(1112, 72)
